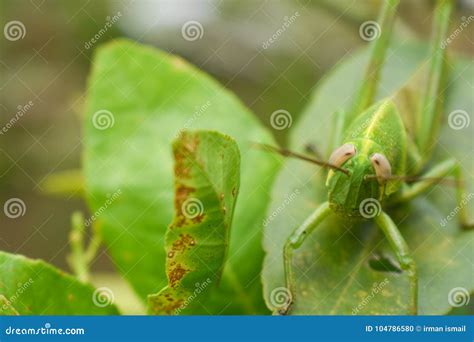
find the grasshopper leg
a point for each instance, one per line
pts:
(294, 242)
(431, 102)
(443, 169)
(398, 244)
(365, 95)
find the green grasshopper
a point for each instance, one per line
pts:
(370, 170)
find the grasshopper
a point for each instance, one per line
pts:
(383, 152)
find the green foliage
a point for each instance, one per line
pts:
(6, 308)
(333, 266)
(148, 98)
(33, 287)
(139, 101)
(207, 166)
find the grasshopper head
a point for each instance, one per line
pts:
(356, 194)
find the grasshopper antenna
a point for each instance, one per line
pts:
(288, 153)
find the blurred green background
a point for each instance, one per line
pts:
(50, 63)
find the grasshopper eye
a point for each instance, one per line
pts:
(382, 167)
(342, 154)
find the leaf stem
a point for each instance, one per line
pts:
(80, 257)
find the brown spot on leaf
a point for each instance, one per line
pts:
(234, 191)
(198, 219)
(182, 192)
(181, 167)
(191, 142)
(184, 241)
(183, 154)
(167, 307)
(176, 274)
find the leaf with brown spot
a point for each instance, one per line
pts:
(133, 155)
(207, 176)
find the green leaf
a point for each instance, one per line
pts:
(6, 308)
(66, 183)
(207, 166)
(139, 100)
(335, 268)
(34, 287)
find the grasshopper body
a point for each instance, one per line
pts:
(378, 131)
(381, 148)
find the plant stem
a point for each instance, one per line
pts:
(80, 258)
